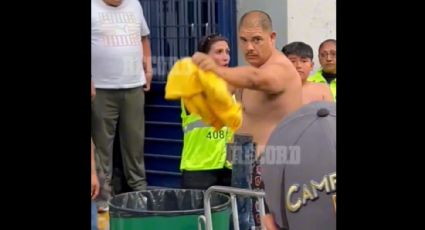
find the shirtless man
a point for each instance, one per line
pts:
(269, 88)
(301, 55)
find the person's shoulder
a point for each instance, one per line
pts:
(134, 3)
(308, 85)
(278, 58)
(320, 86)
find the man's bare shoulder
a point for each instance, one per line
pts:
(277, 59)
(319, 86)
(324, 87)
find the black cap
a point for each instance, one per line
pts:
(301, 191)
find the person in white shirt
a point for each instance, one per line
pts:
(121, 72)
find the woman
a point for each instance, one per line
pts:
(203, 161)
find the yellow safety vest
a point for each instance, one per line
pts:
(203, 147)
(318, 78)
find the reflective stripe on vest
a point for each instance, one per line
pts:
(191, 126)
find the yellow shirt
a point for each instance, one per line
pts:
(204, 94)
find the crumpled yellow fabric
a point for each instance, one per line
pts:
(203, 93)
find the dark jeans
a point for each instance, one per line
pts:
(243, 152)
(206, 178)
(93, 216)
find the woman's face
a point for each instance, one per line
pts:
(220, 52)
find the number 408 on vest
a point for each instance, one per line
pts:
(215, 134)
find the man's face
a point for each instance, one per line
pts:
(113, 2)
(327, 57)
(303, 65)
(256, 44)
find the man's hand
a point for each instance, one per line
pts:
(204, 62)
(147, 86)
(94, 186)
(93, 91)
(268, 221)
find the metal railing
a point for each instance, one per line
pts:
(207, 218)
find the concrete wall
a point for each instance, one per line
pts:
(310, 21)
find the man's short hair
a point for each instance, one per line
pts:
(263, 19)
(326, 41)
(300, 49)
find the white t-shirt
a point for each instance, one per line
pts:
(116, 34)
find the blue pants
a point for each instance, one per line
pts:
(93, 216)
(243, 150)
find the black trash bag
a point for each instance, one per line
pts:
(165, 202)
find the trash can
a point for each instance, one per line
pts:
(166, 209)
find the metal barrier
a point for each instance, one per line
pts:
(207, 219)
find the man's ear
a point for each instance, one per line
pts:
(273, 36)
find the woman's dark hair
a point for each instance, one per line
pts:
(204, 45)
